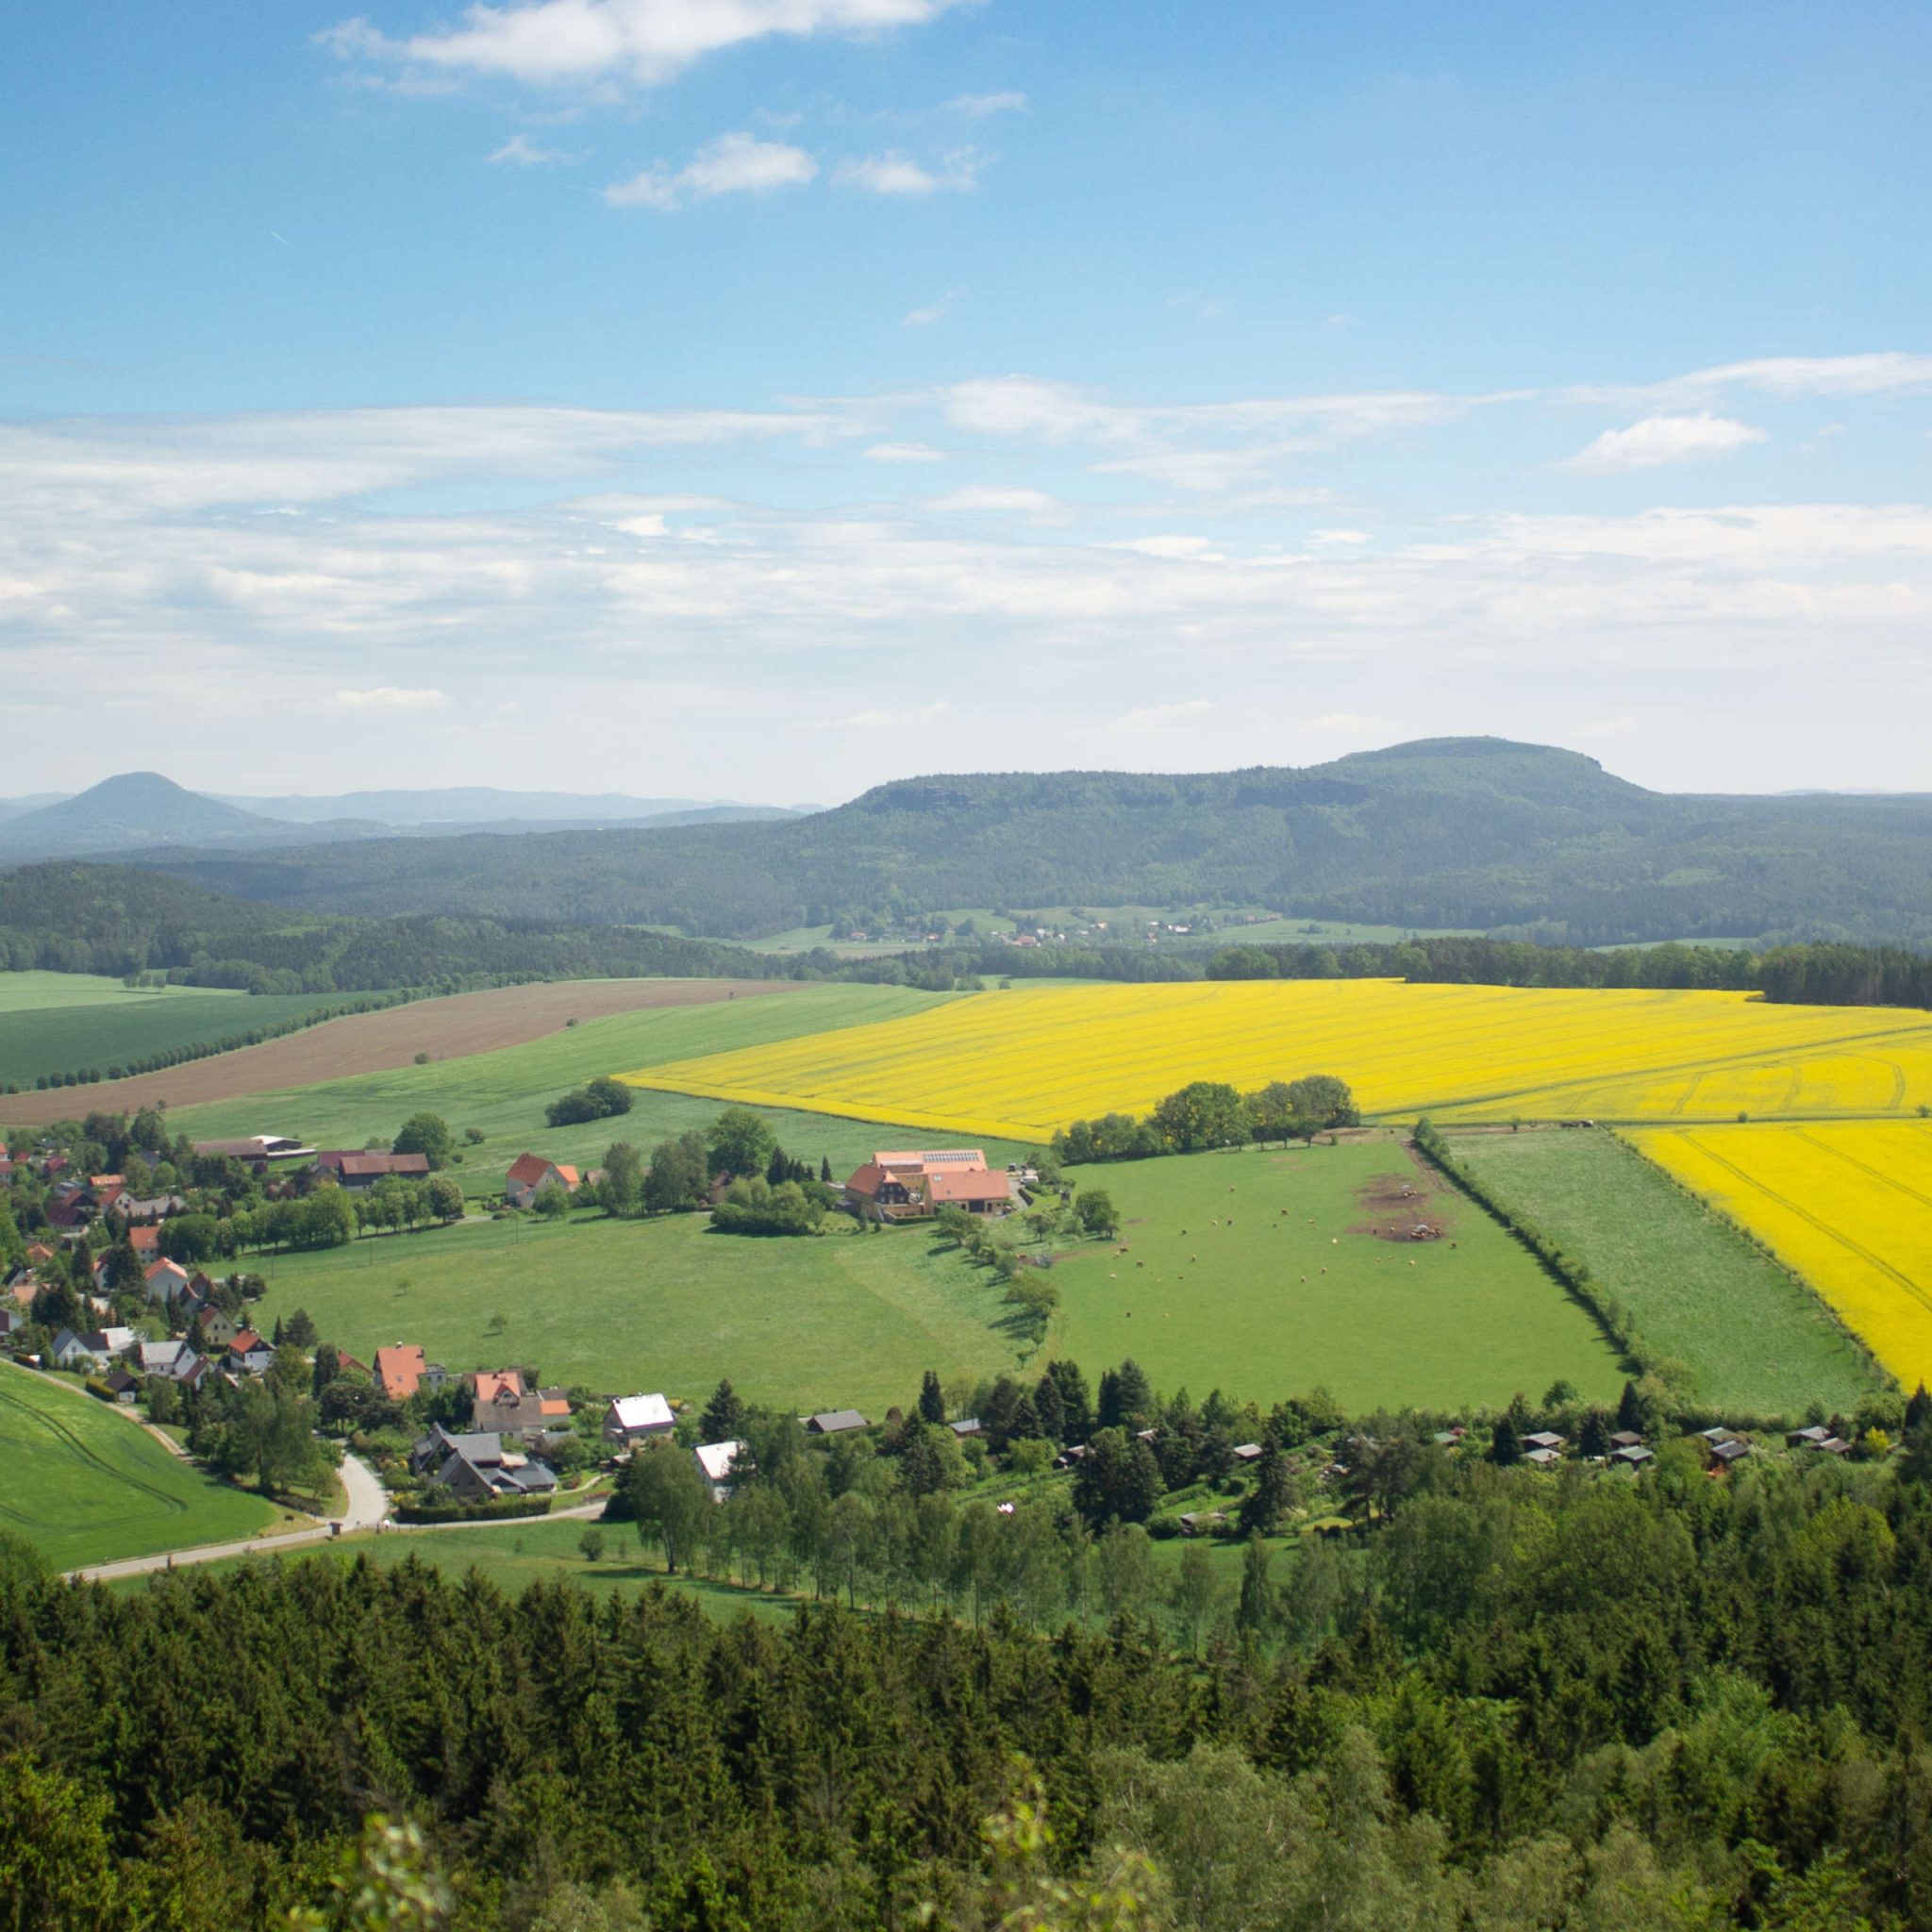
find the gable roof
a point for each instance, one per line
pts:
(715, 1459)
(246, 1341)
(946, 1185)
(634, 1412)
(835, 1422)
(527, 1169)
(352, 1164)
(144, 1241)
(163, 1266)
(494, 1385)
(958, 1160)
(399, 1370)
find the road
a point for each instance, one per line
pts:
(367, 1505)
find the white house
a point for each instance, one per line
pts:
(93, 1350)
(714, 1460)
(165, 1281)
(632, 1419)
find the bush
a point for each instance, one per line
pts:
(502, 1506)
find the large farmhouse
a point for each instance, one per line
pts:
(897, 1185)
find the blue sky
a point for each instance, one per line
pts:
(766, 397)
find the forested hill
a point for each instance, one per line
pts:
(1477, 833)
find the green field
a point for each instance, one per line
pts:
(808, 1323)
(514, 1556)
(1749, 1337)
(59, 1023)
(1243, 1272)
(504, 1093)
(86, 1486)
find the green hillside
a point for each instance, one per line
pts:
(1462, 833)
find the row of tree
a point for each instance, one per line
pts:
(1211, 1113)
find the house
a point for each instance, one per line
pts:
(1071, 1456)
(1247, 1452)
(144, 1207)
(259, 1151)
(108, 1189)
(249, 1355)
(95, 1349)
(1807, 1439)
(634, 1419)
(714, 1460)
(1542, 1457)
(530, 1173)
(1633, 1455)
(123, 1388)
(478, 1467)
(1626, 1439)
(356, 1171)
(38, 1254)
(165, 1281)
(1727, 1452)
(966, 1429)
(400, 1371)
(11, 1322)
(214, 1328)
(903, 1185)
(145, 1241)
(162, 1357)
(501, 1403)
(1542, 1438)
(1833, 1445)
(835, 1422)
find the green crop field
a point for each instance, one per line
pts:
(1248, 1272)
(504, 1093)
(1750, 1339)
(59, 1023)
(86, 1486)
(808, 1322)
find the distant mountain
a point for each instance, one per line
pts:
(492, 808)
(1479, 833)
(136, 812)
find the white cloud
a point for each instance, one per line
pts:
(1167, 546)
(1328, 537)
(1659, 439)
(932, 313)
(904, 453)
(993, 497)
(389, 698)
(898, 174)
(877, 718)
(521, 151)
(1348, 725)
(553, 42)
(731, 164)
(1160, 717)
(1007, 101)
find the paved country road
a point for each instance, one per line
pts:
(368, 1510)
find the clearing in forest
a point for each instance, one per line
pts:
(1742, 1333)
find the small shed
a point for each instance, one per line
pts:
(835, 1422)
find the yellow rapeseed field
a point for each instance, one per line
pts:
(1847, 1205)
(1021, 1063)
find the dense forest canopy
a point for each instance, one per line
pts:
(1472, 833)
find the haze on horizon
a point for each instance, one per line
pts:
(767, 400)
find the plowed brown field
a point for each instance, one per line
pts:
(465, 1022)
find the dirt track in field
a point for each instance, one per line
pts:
(465, 1022)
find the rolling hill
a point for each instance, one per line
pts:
(1481, 833)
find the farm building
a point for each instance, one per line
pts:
(259, 1151)
(356, 1170)
(530, 1173)
(897, 1185)
(634, 1419)
(835, 1422)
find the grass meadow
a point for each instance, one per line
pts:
(504, 1093)
(806, 1323)
(59, 1023)
(1253, 1272)
(86, 1486)
(1750, 1339)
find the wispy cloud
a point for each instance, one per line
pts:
(731, 164)
(521, 152)
(978, 107)
(995, 497)
(390, 697)
(932, 313)
(1659, 439)
(878, 718)
(904, 453)
(553, 42)
(1160, 717)
(898, 174)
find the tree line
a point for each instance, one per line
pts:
(1212, 1113)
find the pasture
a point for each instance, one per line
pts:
(62, 1023)
(1847, 1205)
(84, 1485)
(1270, 1274)
(1747, 1337)
(1022, 1061)
(807, 1323)
(503, 1093)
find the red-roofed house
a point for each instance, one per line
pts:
(249, 1355)
(165, 1281)
(903, 1186)
(399, 1370)
(145, 1241)
(530, 1173)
